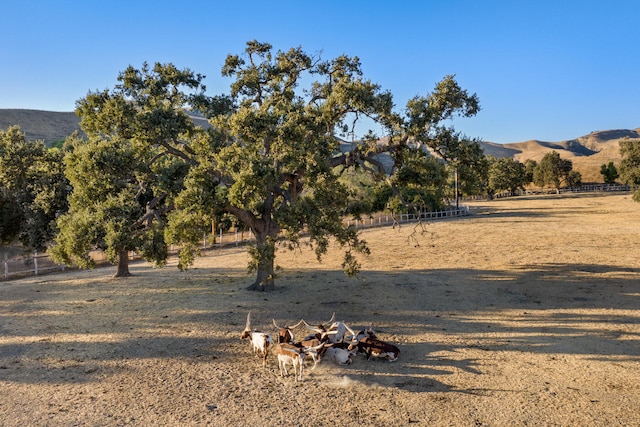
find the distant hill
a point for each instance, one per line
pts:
(49, 126)
(587, 152)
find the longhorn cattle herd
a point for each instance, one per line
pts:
(333, 341)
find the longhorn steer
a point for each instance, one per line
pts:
(368, 332)
(377, 348)
(338, 355)
(289, 354)
(285, 335)
(313, 347)
(260, 341)
(331, 331)
(315, 351)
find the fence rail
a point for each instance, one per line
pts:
(586, 188)
(39, 264)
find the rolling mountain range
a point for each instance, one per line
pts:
(587, 152)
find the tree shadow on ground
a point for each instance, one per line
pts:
(545, 309)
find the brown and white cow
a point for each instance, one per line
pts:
(290, 354)
(260, 341)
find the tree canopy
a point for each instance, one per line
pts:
(126, 174)
(506, 174)
(33, 191)
(609, 173)
(553, 171)
(630, 164)
(272, 163)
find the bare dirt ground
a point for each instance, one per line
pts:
(525, 313)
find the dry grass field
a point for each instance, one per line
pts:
(525, 313)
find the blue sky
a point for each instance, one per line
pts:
(548, 70)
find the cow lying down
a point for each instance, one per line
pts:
(373, 347)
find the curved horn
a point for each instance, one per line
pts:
(353, 334)
(311, 328)
(248, 325)
(287, 327)
(296, 325)
(276, 325)
(333, 317)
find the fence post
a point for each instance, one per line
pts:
(204, 241)
(6, 266)
(35, 263)
(221, 237)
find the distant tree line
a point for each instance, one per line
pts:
(507, 174)
(143, 176)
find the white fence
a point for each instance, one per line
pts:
(380, 220)
(586, 188)
(37, 264)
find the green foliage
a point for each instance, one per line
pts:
(530, 166)
(473, 169)
(573, 179)
(609, 173)
(420, 182)
(506, 174)
(272, 149)
(186, 226)
(424, 124)
(127, 175)
(76, 238)
(33, 190)
(261, 254)
(11, 217)
(381, 195)
(153, 246)
(396, 205)
(367, 193)
(104, 203)
(274, 153)
(552, 171)
(630, 164)
(58, 143)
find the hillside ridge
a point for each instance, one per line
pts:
(587, 152)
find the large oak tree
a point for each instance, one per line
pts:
(33, 191)
(127, 172)
(273, 162)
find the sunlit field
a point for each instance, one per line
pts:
(527, 312)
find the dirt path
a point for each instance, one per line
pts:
(526, 313)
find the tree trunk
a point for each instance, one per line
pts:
(264, 257)
(264, 279)
(123, 264)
